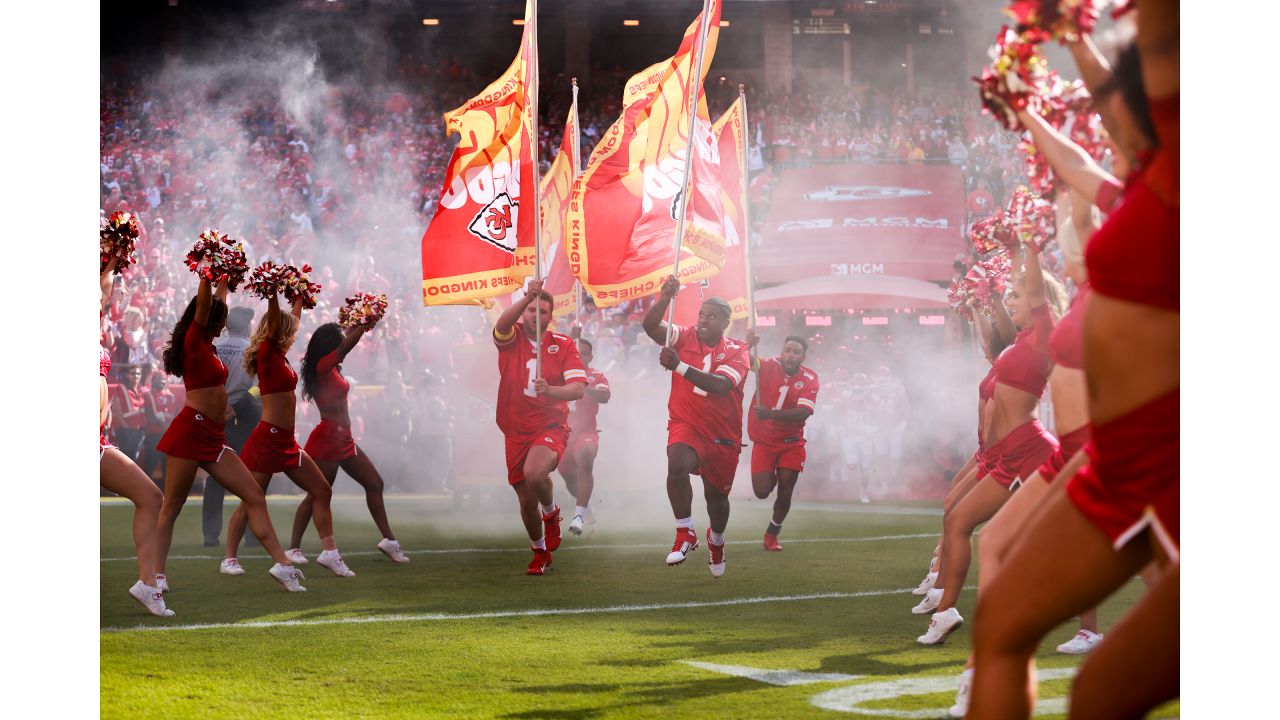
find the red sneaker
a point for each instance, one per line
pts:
(551, 528)
(771, 543)
(686, 542)
(541, 561)
(715, 559)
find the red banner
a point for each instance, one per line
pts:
(731, 282)
(903, 220)
(556, 187)
(480, 241)
(623, 212)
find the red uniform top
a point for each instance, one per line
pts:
(1066, 342)
(104, 362)
(987, 388)
(128, 401)
(164, 403)
(1135, 255)
(201, 367)
(520, 410)
(274, 372)
(780, 391)
(718, 416)
(333, 388)
(1025, 365)
(582, 413)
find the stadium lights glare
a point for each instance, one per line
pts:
(430, 21)
(517, 22)
(631, 23)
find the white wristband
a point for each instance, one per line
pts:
(682, 368)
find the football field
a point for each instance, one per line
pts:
(822, 629)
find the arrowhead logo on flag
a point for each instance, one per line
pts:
(496, 223)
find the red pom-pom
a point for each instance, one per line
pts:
(269, 279)
(1032, 219)
(1017, 78)
(363, 310)
(958, 297)
(990, 234)
(215, 257)
(1061, 20)
(1069, 108)
(117, 236)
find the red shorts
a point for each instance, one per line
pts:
(1132, 481)
(193, 436)
(1068, 446)
(767, 457)
(103, 445)
(518, 449)
(330, 441)
(1019, 454)
(271, 449)
(717, 459)
(578, 441)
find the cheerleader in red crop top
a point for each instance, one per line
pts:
(273, 447)
(330, 443)
(1016, 444)
(119, 474)
(1121, 511)
(195, 439)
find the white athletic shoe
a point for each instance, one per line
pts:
(932, 599)
(865, 500)
(332, 561)
(391, 548)
(962, 695)
(926, 584)
(575, 527)
(231, 566)
(296, 557)
(150, 598)
(941, 626)
(288, 576)
(1082, 643)
(162, 583)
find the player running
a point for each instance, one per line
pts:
(578, 465)
(533, 412)
(786, 395)
(704, 432)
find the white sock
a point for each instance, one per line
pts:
(717, 538)
(967, 675)
(580, 511)
(548, 509)
(540, 543)
(686, 523)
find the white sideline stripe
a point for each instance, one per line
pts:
(642, 546)
(429, 617)
(785, 678)
(869, 509)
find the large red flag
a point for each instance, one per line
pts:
(731, 282)
(480, 241)
(623, 211)
(556, 187)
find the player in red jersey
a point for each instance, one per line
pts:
(533, 412)
(786, 395)
(704, 432)
(578, 466)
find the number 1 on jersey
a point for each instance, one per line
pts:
(782, 397)
(706, 368)
(530, 371)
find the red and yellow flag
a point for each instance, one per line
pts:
(557, 184)
(480, 241)
(623, 211)
(731, 282)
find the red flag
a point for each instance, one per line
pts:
(623, 211)
(480, 241)
(731, 282)
(556, 187)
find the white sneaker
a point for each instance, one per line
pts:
(926, 584)
(231, 566)
(962, 695)
(391, 548)
(865, 500)
(941, 626)
(150, 598)
(288, 576)
(1082, 643)
(932, 599)
(296, 557)
(332, 561)
(575, 527)
(162, 583)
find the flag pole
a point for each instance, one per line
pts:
(746, 232)
(537, 182)
(695, 82)
(577, 170)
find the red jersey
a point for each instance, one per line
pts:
(777, 390)
(520, 410)
(582, 413)
(718, 416)
(163, 406)
(127, 401)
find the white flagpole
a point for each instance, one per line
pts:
(577, 170)
(537, 182)
(695, 82)
(746, 214)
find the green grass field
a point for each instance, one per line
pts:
(462, 632)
